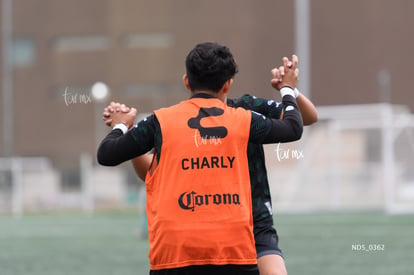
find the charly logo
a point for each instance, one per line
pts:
(191, 200)
(213, 133)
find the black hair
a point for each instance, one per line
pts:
(209, 65)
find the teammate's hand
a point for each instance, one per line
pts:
(112, 108)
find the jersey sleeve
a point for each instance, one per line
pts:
(267, 107)
(117, 148)
(264, 130)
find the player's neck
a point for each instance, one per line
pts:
(219, 95)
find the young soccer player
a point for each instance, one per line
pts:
(198, 194)
(270, 257)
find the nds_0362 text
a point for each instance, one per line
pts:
(368, 247)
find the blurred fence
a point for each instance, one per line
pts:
(356, 157)
(33, 184)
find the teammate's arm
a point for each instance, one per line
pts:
(141, 165)
(307, 109)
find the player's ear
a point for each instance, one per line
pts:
(227, 85)
(186, 83)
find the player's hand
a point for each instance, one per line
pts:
(112, 108)
(277, 75)
(286, 75)
(127, 118)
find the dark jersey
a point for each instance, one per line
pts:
(261, 198)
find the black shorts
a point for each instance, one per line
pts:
(210, 269)
(267, 240)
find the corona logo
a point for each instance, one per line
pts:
(191, 200)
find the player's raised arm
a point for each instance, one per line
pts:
(140, 163)
(307, 108)
(290, 128)
(120, 144)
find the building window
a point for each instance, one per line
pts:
(23, 52)
(149, 40)
(80, 43)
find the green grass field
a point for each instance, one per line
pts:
(109, 244)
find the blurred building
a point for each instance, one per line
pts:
(360, 52)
